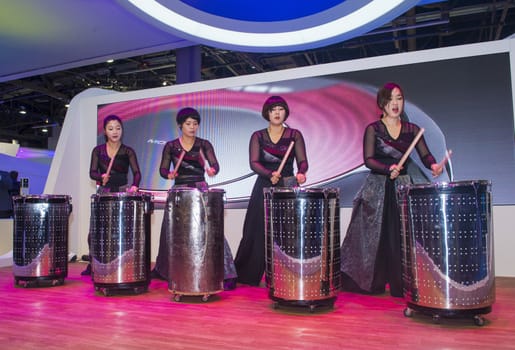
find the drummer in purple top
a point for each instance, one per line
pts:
(267, 148)
(371, 250)
(110, 163)
(188, 153)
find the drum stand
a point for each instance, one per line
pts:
(28, 282)
(204, 296)
(437, 314)
(109, 289)
(311, 304)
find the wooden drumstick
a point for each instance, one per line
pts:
(206, 164)
(109, 167)
(408, 151)
(286, 155)
(410, 148)
(176, 167)
(445, 159)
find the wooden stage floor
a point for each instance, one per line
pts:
(75, 316)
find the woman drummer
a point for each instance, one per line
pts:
(371, 250)
(110, 163)
(188, 153)
(267, 149)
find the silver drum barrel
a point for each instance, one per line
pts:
(40, 240)
(196, 241)
(302, 235)
(447, 246)
(120, 241)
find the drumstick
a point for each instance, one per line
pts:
(408, 151)
(108, 171)
(410, 148)
(286, 155)
(176, 167)
(110, 166)
(445, 159)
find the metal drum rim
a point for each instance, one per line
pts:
(44, 198)
(115, 196)
(192, 189)
(444, 185)
(300, 192)
(300, 189)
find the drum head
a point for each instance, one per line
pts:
(120, 196)
(45, 198)
(183, 189)
(301, 192)
(447, 187)
(271, 190)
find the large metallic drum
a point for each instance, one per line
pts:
(40, 240)
(302, 234)
(196, 241)
(120, 241)
(447, 246)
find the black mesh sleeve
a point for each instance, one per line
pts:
(371, 162)
(209, 151)
(166, 160)
(254, 152)
(300, 153)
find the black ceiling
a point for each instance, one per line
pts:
(44, 97)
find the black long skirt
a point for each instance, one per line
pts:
(371, 252)
(250, 257)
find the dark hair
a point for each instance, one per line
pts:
(186, 113)
(384, 95)
(272, 102)
(110, 118)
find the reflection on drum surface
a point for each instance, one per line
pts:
(40, 242)
(302, 232)
(447, 245)
(194, 222)
(120, 239)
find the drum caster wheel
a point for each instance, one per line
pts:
(27, 284)
(408, 312)
(479, 320)
(205, 297)
(436, 319)
(58, 282)
(106, 292)
(139, 290)
(312, 308)
(275, 305)
(177, 297)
